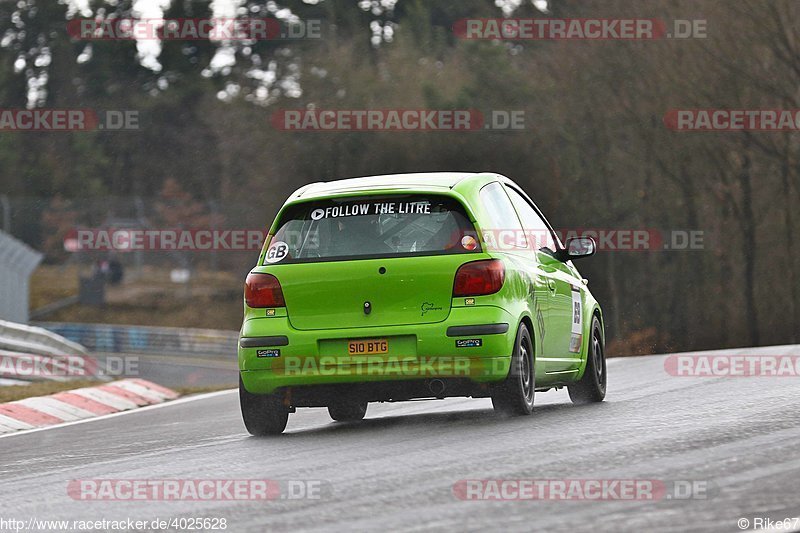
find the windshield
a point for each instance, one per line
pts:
(372, 227)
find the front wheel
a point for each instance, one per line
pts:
(592, 386)
(263, 414)
(515, 395)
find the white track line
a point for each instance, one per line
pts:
(121, 413)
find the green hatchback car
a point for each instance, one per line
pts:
(401, 287)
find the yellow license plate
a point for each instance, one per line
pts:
(368, 347)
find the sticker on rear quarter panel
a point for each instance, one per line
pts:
(577, 321)
(268, 353)
(277, 252)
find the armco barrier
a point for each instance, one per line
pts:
(34, 340)
(111, 338)
(29, 353)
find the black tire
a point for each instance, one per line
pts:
(592, 386)
(348, 411)
(515, 395)
(263, 414)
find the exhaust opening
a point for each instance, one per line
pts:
(437, 387)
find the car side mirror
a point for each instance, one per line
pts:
(576, 248)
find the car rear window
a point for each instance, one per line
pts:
(372, 227)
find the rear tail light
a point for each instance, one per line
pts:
(479, 278)
(263, 290)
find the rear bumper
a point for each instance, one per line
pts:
(416, 352)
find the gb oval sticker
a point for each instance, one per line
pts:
(277, 252)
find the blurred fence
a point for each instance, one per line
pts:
(107, 338)
(17, 262)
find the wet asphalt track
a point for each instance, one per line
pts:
(396, 470)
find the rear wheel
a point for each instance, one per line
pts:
(348, 411)
(263, 414)
(515, 395)
(592, 386)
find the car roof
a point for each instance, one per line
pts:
(415, 181)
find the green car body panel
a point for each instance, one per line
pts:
(412, 304)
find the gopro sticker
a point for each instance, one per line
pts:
(469, 343)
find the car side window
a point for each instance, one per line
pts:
(539, 235)
(506, 231)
